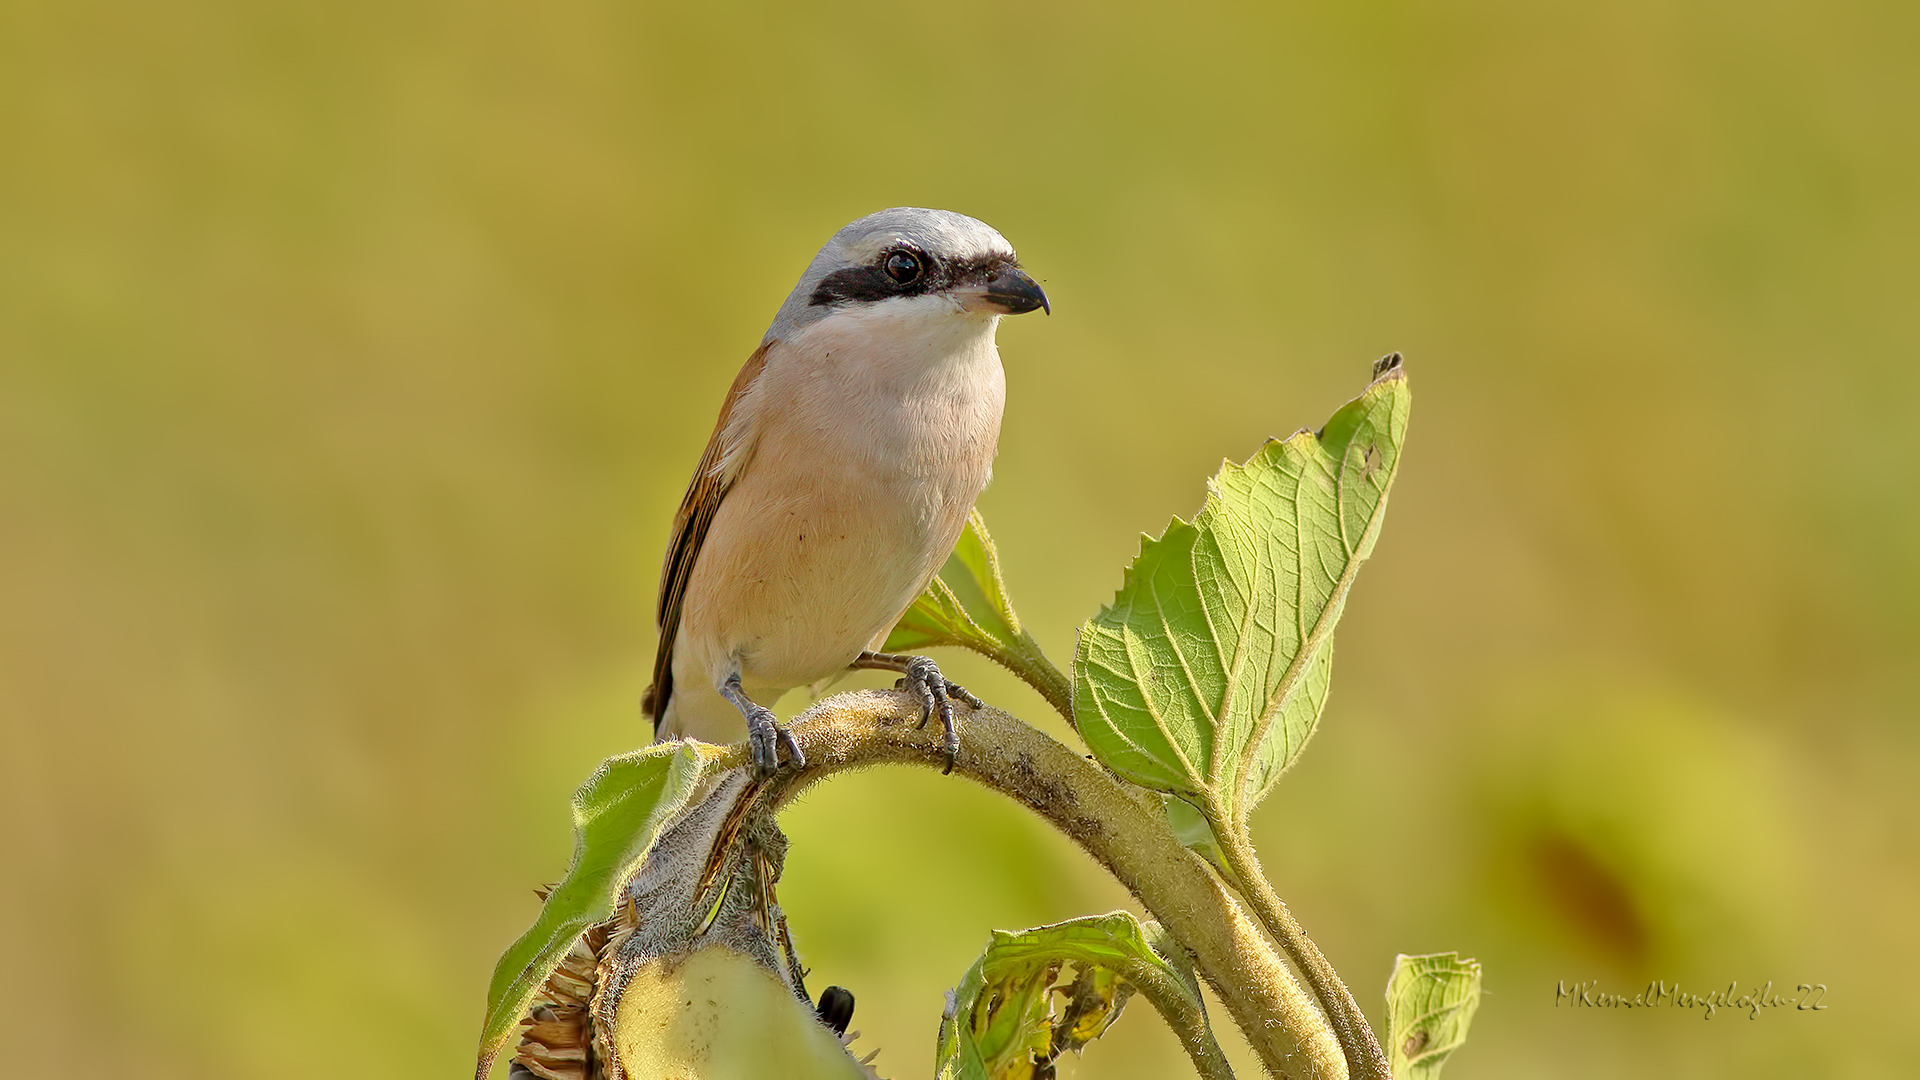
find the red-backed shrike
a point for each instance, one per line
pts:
(845, 461)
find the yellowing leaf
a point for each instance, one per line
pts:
(1004, 1023)
(1430, 1004)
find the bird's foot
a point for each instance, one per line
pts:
(921, 677)
(765, 736)
(937, 693)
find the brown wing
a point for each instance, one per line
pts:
(697, 508)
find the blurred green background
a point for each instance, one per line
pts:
(354, 355)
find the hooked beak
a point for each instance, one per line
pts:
(1014, 293)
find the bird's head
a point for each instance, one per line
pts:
(914, 261)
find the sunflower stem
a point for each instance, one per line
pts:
(1124, 828)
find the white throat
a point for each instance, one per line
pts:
(924, 343)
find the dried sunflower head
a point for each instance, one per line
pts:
(695, 975)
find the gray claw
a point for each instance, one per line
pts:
(794, 755)
(937, 693)
(765, 738)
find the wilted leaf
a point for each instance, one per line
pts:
(1430, 1003)
(1207, 673)
(966, 604)
(1036, 994)
(617, 814)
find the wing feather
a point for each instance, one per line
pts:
(719, 466)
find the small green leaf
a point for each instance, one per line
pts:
(617, 814)
(1206, 675)
(1191, 829)
(1004, 1020)
(966, 604)
(1430, 1004)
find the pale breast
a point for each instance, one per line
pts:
(867, 455)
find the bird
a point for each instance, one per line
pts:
(846, 459)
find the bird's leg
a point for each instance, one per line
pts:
(936, 692)
(764, 735)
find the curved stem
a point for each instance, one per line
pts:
(1122, 827)
(1185, 1014)
(1364, 1058)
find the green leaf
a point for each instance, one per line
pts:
(970, 602)
(1018, 1008)
(966, 604)
(1430, 1004)
(1206, 675)
(1191, 829)
(617, 814)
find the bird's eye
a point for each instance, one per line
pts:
(903, 267)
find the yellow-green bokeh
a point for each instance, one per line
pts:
(353, 356)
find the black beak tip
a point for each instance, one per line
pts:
(1016, 293)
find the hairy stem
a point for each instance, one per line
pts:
(1363, 1056)
(1040, 674)
(1185, 1015)
(1024, 658)
(1122, 827)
